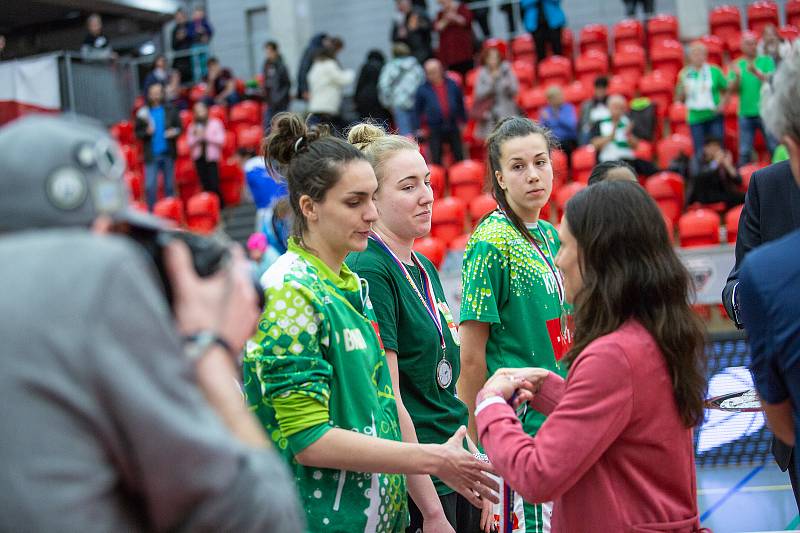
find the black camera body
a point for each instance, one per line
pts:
(209, 255)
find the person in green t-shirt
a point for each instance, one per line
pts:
(315, 372)
(418, 331)
(702, 86)
(746, 77)
(512, 309)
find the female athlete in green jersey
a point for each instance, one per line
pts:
(315, 372)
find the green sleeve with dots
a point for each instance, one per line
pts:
(483, 281)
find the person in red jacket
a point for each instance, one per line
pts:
(615, 453)
(454, 24)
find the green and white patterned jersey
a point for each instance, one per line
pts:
(317, 345)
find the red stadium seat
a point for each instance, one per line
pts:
(589, 65)
(466, 179)
(790, 32)
(725, 22)
(666, 56)
(677, 118)
(249, 137)
(629, 62)
(198, 92)
(669, 148)
(186, 118)
(523, 47)
(715, 48)
(170, 208)
(139, 206)
(135, 184)
(246, 112)
(219, 112)
(668, 199)
(662, 27)
(576, 92)
(622, 85)
(498, 44)
(525, 72)
(532, 100)
(459, 244)
(628, 31)
(447, 219)
(555, 70)
(229, 146)
(746, 172)
(470, 79)
(644, 150)
(456, 77)
(793, 13)
(567, 42)
(438, 179)
(563, 195)
(699, 228)
(584, 159)
(558, 160)
(432, 248)
(761, 13)
(131, 156)
(182, 146)
(659, 89)
(123, 132)
(202, 212)
(231, 181)
(732, 222)
(594, 37)
(480, 206)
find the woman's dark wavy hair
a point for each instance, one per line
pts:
(309, 158)
(630, 271)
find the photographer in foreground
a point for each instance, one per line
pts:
(109, 422)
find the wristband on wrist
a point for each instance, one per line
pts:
(197, 344)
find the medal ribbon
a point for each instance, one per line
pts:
(429, 299)
(540, 253)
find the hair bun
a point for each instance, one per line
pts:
(364, 134)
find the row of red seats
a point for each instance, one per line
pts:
(200, 215)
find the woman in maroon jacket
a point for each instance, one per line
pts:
(615, 454)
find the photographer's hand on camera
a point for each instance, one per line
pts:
(224, 305)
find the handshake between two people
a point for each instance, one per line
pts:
(515, 385)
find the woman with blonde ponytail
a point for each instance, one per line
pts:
(418, 330)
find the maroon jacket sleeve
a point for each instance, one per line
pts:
(550, 393)
(595, 408)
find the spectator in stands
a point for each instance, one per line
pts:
(495, 94)
(644, 116)
(773, 45)
(96, 45)
(2, 46)
(173, 92)
(220, 84)
(205, 137)
(260, 253)
(317, 42)
(368, 105)
(266, 192)
(612, 171)
(614, 140)
(560, 118)
(594, 110)
(481, 15)
(714, 177)
(158, 126)
(326, 83)
(440, 105)
(181, 41)
(746, 77)
(768, 285)
(545, 20)
(648, 7)
(397, 87)
(701, 86)
(277, 84)
(118, 401)
(412, 26)
(200, 34)
(159, 74)
(454, 25)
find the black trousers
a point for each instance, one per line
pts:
(208, 171)
(648, 6)
(462, 515)
(437, 137)
(545, 34)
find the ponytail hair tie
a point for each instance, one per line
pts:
(297, 143)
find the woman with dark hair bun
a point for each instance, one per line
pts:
(315, 372)
(616, 453)
(612, 171)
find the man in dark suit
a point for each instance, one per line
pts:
(440, 104)
(771, 210)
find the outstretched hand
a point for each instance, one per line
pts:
(465, 474)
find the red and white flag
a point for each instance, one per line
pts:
(29, 86)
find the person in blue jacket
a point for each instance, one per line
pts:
(440, 105)
(544, 19)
